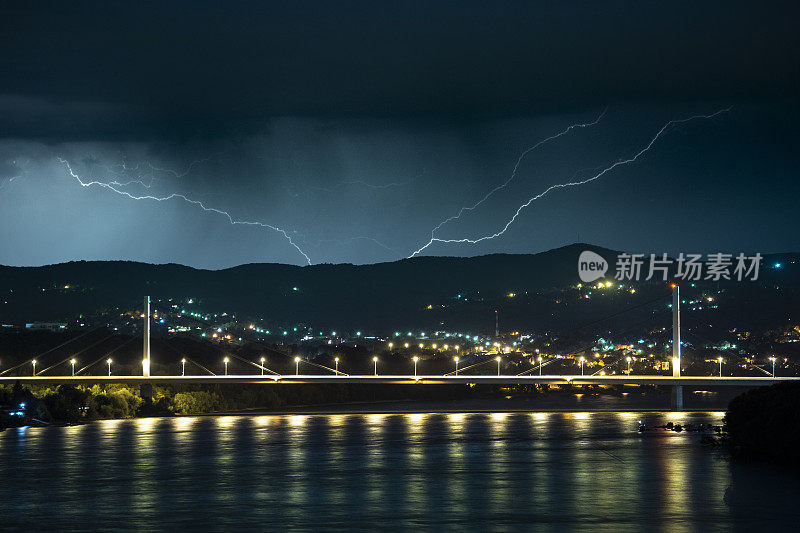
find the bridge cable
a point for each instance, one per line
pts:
(242, 359)
(51, 350)
(104, 339)
(126, 342)
(168, 345)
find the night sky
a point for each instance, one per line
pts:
(348, 131)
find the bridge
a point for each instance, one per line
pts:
(667, 381)
(676, 381)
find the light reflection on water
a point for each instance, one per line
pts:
(462, 470)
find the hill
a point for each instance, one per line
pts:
(532, 292)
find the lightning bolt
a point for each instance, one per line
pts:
(516, 169)
(596, 176)
(115, 187)
(116, 183)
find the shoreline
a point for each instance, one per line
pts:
(494, 405)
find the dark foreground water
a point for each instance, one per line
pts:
(497, 471)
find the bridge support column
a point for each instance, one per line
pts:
(676, 398)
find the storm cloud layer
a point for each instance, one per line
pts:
(346, 132)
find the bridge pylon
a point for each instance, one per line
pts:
(676, 396)
(146, 333)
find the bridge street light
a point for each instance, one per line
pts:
(498, 364)
(375, 360)
(72, 362)
(415, 359)
(263, 360)
(540, 365)
(108, 361)
(226, 360)
(183, 366)
(296, 366)
(629, 365)
(773, 366)
(34, 366)
(456, 361)
(581, 360)
(336, 363)
(719, 360)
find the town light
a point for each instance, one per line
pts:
(415, 359)
(34, 366)
(108, 361)
(263, 360)
(375, 360)
(72, 362)
(336, 362)
(456, 361)
(719, 360)
(498, 364)
(296, 366)
(183, 366)
(226, 360)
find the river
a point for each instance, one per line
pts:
(545, 471)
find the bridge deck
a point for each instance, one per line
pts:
(694, 381)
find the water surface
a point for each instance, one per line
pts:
(476, 471)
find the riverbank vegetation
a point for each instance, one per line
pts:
(69, 404)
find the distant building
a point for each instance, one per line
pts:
(49, 326)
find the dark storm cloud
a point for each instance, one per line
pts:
(145, 70)
(358, 127)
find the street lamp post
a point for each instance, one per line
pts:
(296, 366)
(629, 365)
(773, 366)
(719, 360)
(336, 362)
(415, 359)
(108, 361)
(456, 361)
(34, 366)
(581, 360)
(540, 365)
(226, 365)
(375, 360)
(263, 360)
(183, 366)
(72, 362)
(498, 364)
